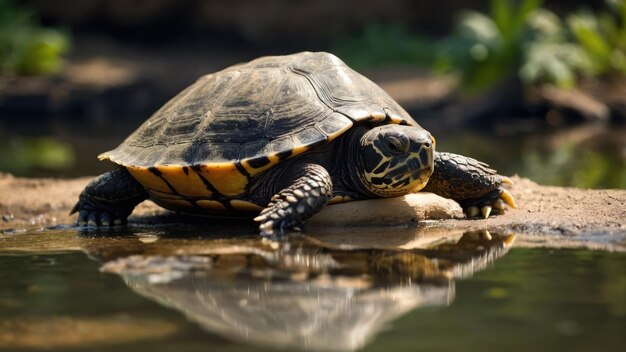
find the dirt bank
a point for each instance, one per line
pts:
(545, 213)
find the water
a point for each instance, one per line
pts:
(186, 290)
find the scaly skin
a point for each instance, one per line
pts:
(109, 199)
(308, 193)
(469, 182)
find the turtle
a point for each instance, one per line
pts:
(281, 137)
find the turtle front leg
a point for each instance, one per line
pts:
(301, 195)
(470, 182)
(109, 199)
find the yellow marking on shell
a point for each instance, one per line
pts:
(245, 206)
(397, 120)
(274, 159)
(334, 135)
(339, 199)
(255, 171)
(148, 179)
(300, 149)
(211, 204)
(226, 178)
(186, 184)
(378, 116)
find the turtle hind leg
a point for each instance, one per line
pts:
(109, 199)
(303, 195)
(478, 188)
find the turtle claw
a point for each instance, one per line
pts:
(507, 181)
(267, 227)
(485, 211)
(105, 219)
(276, 216)
(108, 200)
(472, 211)
(507, 197)
(90, 217)
(94, 214)
(95, 219)
(486, 207)
(499, 204)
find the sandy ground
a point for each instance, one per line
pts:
(546, 216)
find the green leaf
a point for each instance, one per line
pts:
(478, 27)
(589, 37)
(501, 12)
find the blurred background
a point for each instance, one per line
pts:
(535, 88)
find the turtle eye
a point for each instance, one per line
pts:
(397, 145)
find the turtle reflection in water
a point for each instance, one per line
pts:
(283, 136)
(301, 296)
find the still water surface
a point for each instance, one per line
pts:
(186, 291)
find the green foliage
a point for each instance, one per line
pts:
(602, 36)
(549, 56)
(523, 40)
(25, 46)
(515, 39)
(533, 44)
(381, 45)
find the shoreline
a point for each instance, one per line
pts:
(546, 215)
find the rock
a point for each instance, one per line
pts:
(399, 211)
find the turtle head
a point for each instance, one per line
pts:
(396, 159)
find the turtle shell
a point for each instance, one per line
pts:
(230, 126)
